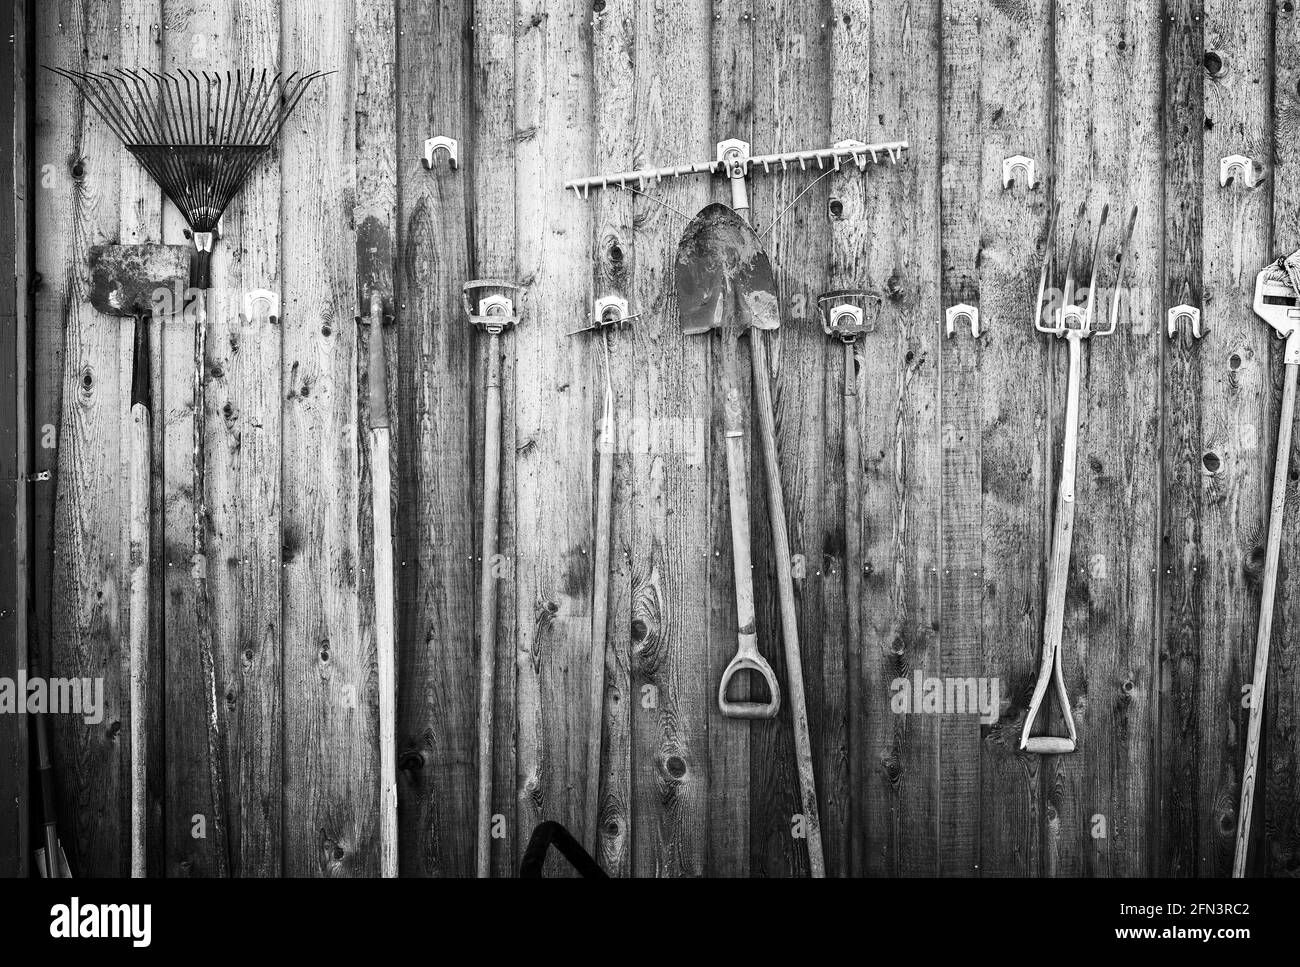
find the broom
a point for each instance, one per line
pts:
(198, 134)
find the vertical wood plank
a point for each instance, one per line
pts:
(1237, 432)
(901, 590)
(80, 209)
(493, 256)
(553, 400)
(437, 672)
(852, 195)
(15, 429)
(141, 205)
(614, 44)
(960, 641)
(1279, 817)
(791, 111)
(195, 835)
(330, 794)
(375, 214)
(732, 87)
(1190, 744)
(1108, 133)
(1015, 481)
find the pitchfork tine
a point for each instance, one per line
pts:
(1123, 263)
(1092, 280)
(1068, 295)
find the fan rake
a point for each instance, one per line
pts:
(198, 133)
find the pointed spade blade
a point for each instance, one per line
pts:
(724, 278)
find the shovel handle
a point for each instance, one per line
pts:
(749, 660)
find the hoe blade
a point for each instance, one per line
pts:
(724, 278)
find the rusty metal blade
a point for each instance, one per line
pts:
(724, 278)
(133, 280)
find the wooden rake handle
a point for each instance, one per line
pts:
(140, 555)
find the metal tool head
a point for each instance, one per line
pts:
(724, 278)
(496, 311)
(1276, 299)
(1071, 316)
(138, 280)
(847, 314)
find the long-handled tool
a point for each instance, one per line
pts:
(199, 134)
(846, 315)
(495, 314)
(724, 282)
(1277, 302)
(735, 162)
(609, 312)
(1074, 324)
(130, 280)
(385, 647)
(51, 861)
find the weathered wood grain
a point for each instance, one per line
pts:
(1239, 422)
(851, 198)
(902, 588)
(614, 45)
(15, 429)
(1277, 804)
(436, 709)
(1098, 810)
(1014, 477)
(330, 801)
(80, 208)
(492, 175)
(141, 205)
(791, 111)
(1186, 736)
(962, 167)
(375, 215)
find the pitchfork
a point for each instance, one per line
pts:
(1074, 323)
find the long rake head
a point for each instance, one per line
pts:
(198, 133)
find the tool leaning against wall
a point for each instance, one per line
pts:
(1277, 302)
(735, 162)
(198, 134)
(610, 312)
(494, 314)
(1074, 324)
(129, 281)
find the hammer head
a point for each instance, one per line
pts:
(127, 280)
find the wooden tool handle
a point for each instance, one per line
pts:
(747, 654)
(140, 372)
(748, 659)
(785, 587)
(1264, 636)
(138, 497)
(385, 648)
(487, 616)
(377, 373)
(1049, 668)
(853, 606)
(600, 613)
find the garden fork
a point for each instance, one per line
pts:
(1074, 323)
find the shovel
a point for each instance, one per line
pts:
(724, 282)
(127, 280)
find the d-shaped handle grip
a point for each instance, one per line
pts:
(1048, 745)
(752, 662)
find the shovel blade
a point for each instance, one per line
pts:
(129, 280)
(724, 278)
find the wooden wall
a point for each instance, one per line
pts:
(1120, 102)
